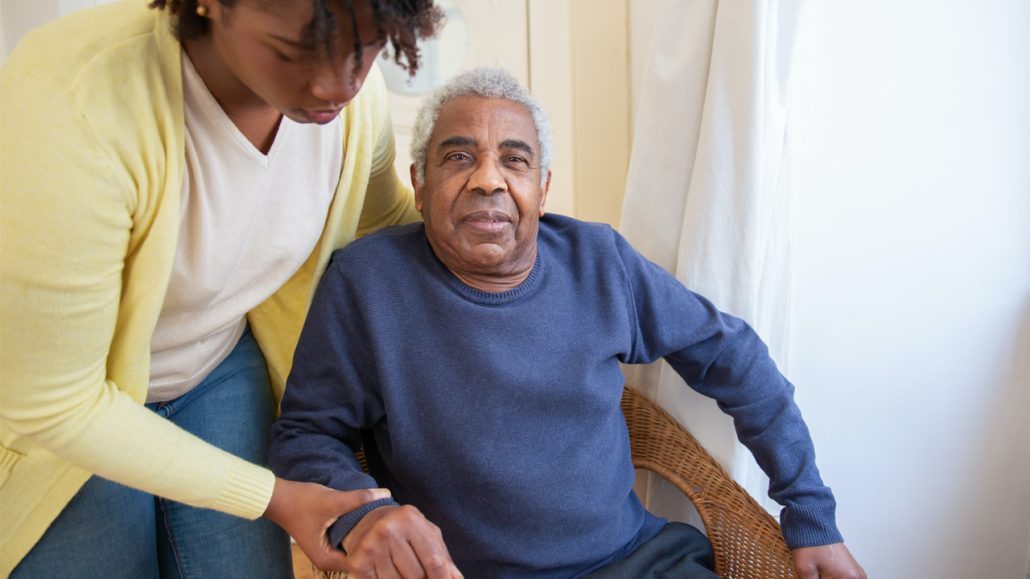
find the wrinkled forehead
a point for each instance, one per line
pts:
(472, 116)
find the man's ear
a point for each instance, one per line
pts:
(543, 193)
(414, 185)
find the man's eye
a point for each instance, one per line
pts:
(517, 160)
(283, 56)
(458, 157)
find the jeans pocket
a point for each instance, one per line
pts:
(8, 459)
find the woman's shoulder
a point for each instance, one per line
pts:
(98, 45)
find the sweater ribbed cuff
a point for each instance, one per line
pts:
(247, 492)
(810, 526)
(344, 524)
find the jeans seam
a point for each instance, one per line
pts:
(180, 563)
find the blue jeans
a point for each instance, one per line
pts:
(109, 531)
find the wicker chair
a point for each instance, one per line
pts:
(746, 540)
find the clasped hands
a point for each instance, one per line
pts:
(398, 541)
(390, 541)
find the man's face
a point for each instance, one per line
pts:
(483, 198)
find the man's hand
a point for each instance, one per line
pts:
(397, 541)
(306, 510)
(827, 562)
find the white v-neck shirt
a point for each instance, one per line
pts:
(248, 222)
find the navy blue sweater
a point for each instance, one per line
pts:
(497, 414)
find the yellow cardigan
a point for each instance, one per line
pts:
(91, 167)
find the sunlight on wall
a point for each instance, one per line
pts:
(911, 337)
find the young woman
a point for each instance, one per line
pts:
(174, 179)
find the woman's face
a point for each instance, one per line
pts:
(261, 43)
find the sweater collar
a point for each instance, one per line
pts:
(479, 296)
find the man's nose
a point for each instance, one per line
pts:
(487, 177)
(336, 83)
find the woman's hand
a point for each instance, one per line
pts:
(306, 511)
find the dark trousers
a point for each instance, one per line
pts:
(679, 551)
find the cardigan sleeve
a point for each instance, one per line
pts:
(388, 200)
(68, 207)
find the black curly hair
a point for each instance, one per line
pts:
(401, 22)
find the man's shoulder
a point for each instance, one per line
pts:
(595, 250)
(560, 231)
(554, 224)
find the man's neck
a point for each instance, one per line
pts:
(493, 284)
(493, 280)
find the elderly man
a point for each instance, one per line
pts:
(477, 357)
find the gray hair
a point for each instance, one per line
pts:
(482, 82)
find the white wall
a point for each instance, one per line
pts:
(20, 16)
(3, 36)
(911, 328)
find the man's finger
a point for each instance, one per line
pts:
(329, 559)
(432, 555)
(387, 570)
(403, 558)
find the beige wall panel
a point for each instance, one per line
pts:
(580, 72)
(600, 107)
(550, 81)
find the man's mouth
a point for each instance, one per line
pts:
(488, 221)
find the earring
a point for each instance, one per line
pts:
(201, 10)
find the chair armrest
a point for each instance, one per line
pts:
(746, 540)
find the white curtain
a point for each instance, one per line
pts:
(707, 195)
